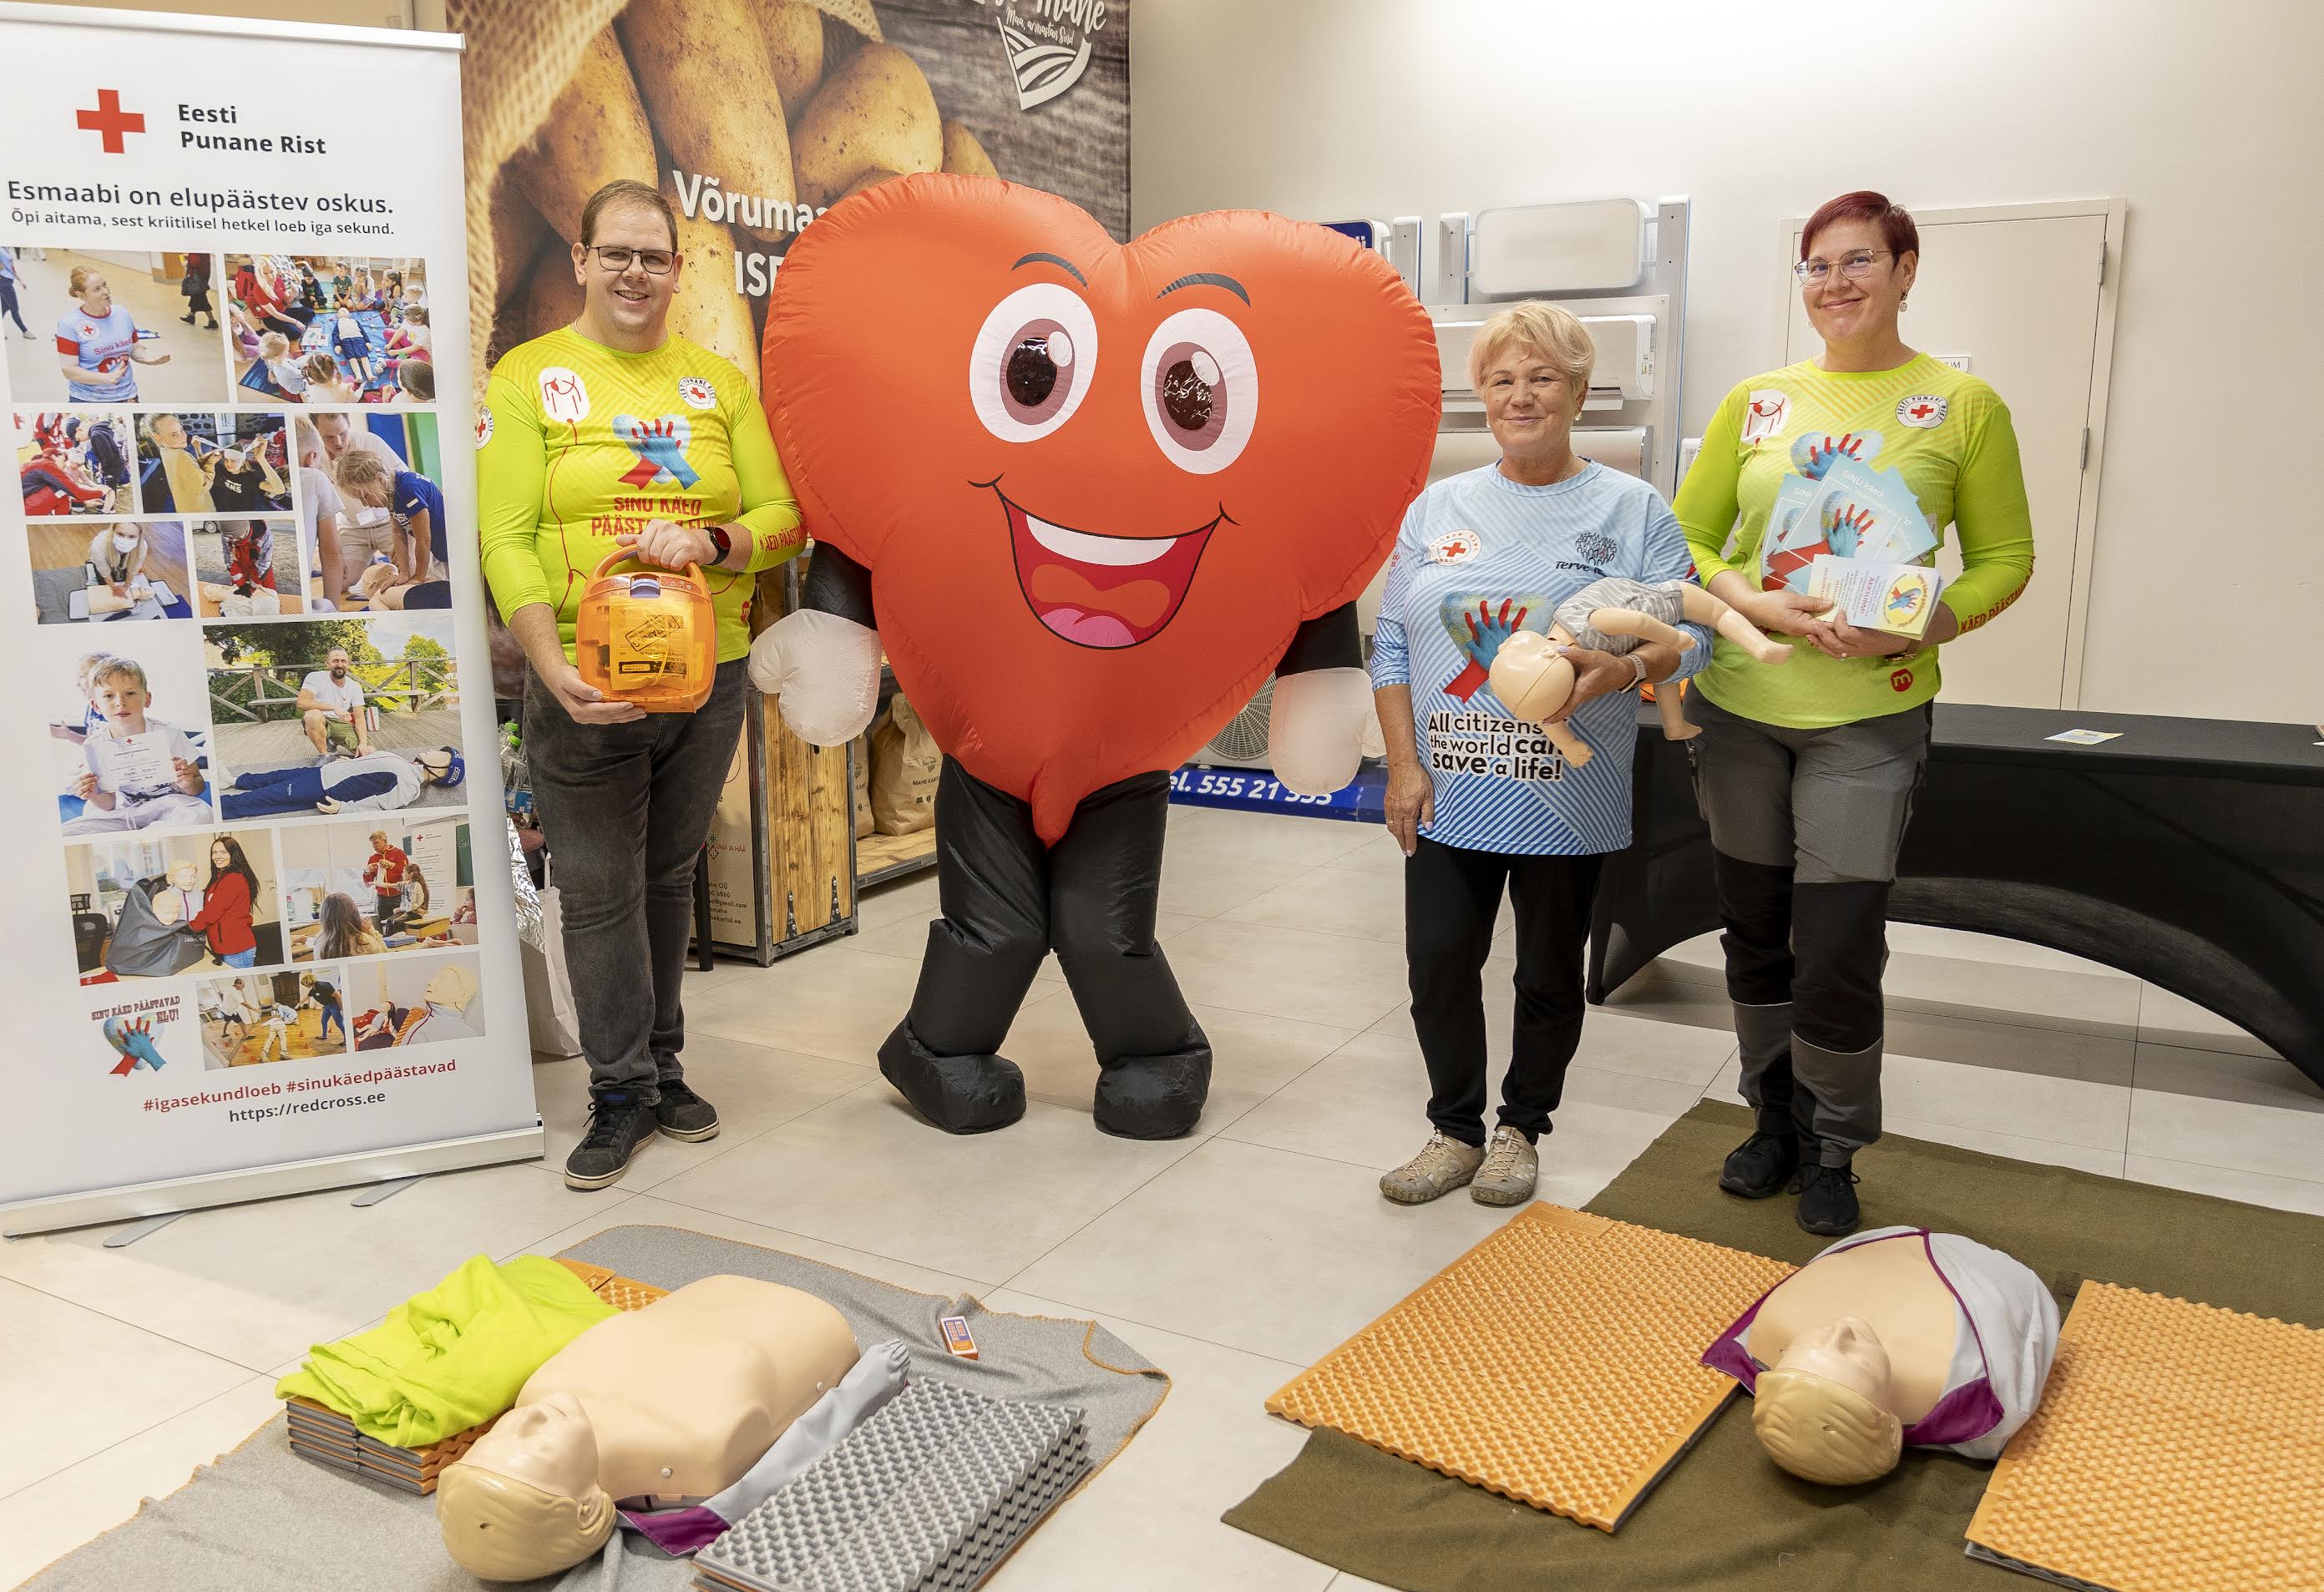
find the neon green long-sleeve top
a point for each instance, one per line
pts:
(577, 443)
(1949, 437)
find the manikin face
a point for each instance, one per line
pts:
(1845, 1351)
(550, 1445)
(1845, 310)
(634, 301)
(185, 876)
(1528, 403)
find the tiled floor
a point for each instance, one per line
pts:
(1231, 1258)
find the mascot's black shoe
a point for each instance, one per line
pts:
(960, 1094)
(1153, 1097)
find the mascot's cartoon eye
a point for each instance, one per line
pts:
(1200, 389)
(1032, 362)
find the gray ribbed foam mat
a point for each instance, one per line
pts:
(927, 1495)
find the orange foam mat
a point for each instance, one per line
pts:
(1557, 1363)
(323, 1434)
(2179, 1447)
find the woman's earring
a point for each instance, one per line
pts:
(1903, 302)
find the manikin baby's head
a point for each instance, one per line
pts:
(1824, 1411)
(525, 1501)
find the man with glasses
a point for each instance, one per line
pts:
(654, 446)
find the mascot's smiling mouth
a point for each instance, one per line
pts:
(1098, 591)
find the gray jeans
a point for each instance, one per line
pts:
(625, 808)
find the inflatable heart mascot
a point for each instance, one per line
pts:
(1086, 495)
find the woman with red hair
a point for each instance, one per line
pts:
(1806, 773)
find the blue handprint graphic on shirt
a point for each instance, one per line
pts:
(1490, 627)
(1813, 455)
(1479, 625)
(660, 445)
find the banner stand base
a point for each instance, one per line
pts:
(179, 1195)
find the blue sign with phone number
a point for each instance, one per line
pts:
(1362, 801)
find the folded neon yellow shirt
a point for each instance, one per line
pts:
(455, 1356)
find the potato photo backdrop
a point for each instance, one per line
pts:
(754, 116)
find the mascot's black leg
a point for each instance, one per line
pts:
(1154, 1062)
(993, 876)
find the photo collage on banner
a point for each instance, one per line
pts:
(264, 937)
(241, 568)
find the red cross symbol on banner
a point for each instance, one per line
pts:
(109, 120)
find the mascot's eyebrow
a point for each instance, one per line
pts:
(1207, 278)
(1071, 269)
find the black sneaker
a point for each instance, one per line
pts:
(683, 1114)
(1827, 1200)
(619, 1122)
(1761, 1165)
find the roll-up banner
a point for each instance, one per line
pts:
(260, 935)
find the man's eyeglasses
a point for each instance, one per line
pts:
(1854, 266)
(615, 259)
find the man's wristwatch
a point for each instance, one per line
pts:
(720, 540)
(1638, 671)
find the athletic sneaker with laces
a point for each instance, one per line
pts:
(619, 1122)
(1442, 1165)
(1761, 1165)
(1828, 1203)
(1511, 1164)
(683, 1114)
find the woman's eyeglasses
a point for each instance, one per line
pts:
(616, 260)
(1855, 267)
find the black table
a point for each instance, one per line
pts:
(2189, 854)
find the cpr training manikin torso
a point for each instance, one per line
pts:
(1891, 1339)
(673, 1401)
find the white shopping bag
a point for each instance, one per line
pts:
(548, 986)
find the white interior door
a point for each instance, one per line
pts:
(2018, 294)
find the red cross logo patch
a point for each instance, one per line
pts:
(1924, 410)
(110, 122)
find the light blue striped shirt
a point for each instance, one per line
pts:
(1478, 558)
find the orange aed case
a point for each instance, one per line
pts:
(650, 638)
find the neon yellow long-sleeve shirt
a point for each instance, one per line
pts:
(577, 442)
(1948, 436)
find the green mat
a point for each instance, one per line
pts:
(1725, 1517)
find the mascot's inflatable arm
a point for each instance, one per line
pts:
(821, 662)
(1322, 707)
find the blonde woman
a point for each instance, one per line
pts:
(1479, 802)
(190, 466)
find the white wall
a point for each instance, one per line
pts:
(2208, 117)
